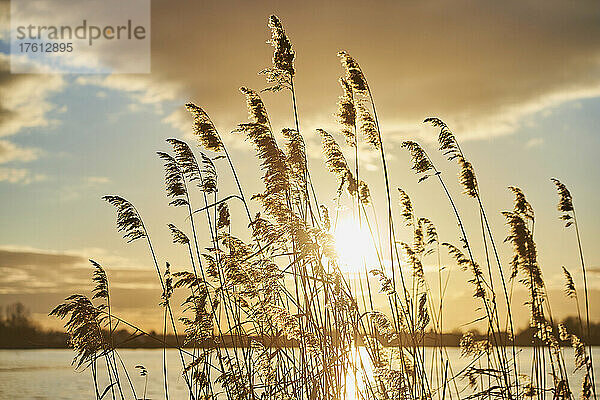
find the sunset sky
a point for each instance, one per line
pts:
(517, 81)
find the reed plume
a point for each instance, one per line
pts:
(521, 205)
(565, 202)
(273, 159)
(420, 161)
(283, 53)
(84, 326)
(415, 262)
(386, 283)
(178, 236)
(581, 360)
(525, 251)
(354, 74)
(223, 220)
(143, 373)
(200, 328)
(346, 113)
(168, 286)
(451, 149)
(406, 207)
(208, 174)
(469, 347)
(467, 264)
(276, 175)
(204, 129)
(99, 278)
(186, 160)
(423, 314)
(383, 325)
(257, 112)
(295, 151)
(174, 181)
(128, 219)
(569, 284)
(336, 163)
(431, 235)
(565, 205)
(366, 124)
(448, 144)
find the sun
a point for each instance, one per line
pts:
(354, 245)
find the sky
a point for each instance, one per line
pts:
(517, 81)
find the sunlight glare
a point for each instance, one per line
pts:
(354, 245)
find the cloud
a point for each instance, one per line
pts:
(23, 104)
(96, 180)
(26, 269)
(25, 99)
(30, 269)
(4, 20)
(75, 191)
(481, 66)
(534, 142)
(141, 88)
(594, 270)
(21, 257)
(11, 152)
(20, 175)
(41, 279)
(179, 119)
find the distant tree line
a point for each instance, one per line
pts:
(19, 331)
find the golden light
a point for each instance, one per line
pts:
(354, 245)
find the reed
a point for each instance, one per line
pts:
(269, 312)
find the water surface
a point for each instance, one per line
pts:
(48, 374)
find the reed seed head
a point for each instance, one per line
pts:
(283, 53)
(420, 160)
(178, 236)
(346, 113)
(565, 202)
(354, 74)
(204, 129)
(128, 219)
(99, 278)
